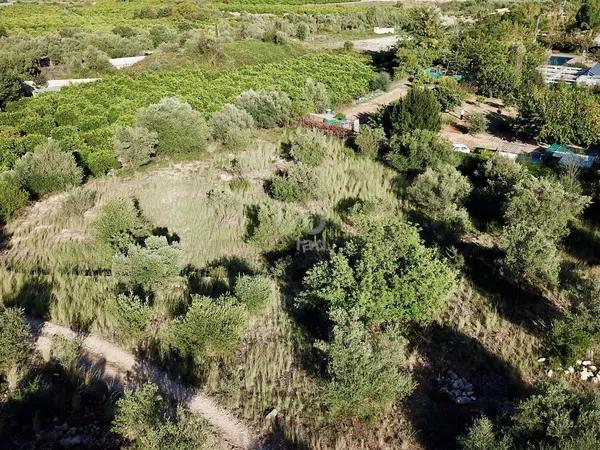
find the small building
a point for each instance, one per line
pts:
(591, 77)
(55, 85)
(384, 30)
(128, 61)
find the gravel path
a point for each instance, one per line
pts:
(126, 367)
(396, 92)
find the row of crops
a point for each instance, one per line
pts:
(84, 117)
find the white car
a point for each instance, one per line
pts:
(461, 148)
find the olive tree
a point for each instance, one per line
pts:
(48, 169)
(232, 126)
(180, 128)
(134, 145)
(385, 272)
(366, 372)
(439, 196)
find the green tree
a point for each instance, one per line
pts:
(544, 204)
(142, 417)
(588, 15)
(559, 115)
(530, 255)
(134, 145)
(180, 128)
(419, 110)
(14, 339)
(439, 196)
(367, 372)
(537, 218)
(385, 272)
(482, 436)
(381, 82)
(418, 150)
(448, 93)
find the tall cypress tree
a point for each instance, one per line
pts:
(419, 110)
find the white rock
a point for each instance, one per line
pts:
(571, 370)
(578, 361)
(586, 363)
(585, 375)
(541, 359)
(272, 414)
(593, 368)
(550, 373)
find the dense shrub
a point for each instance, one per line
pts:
(254, 291)
(384, 272)
(477, 123)
(381, 82)
(369, 140)
(299, 183)
(143, 418)
(316, 94)
(268, 108)
(232, 126)
(14, 339)
(134, 145)
(129, 316)
(119, 224)
(418, 150)
(273, 228)
(578, 332)
(180, 128)
(439, 196)
(12, 197)
(150, 266)
(367, 373)
(556, 417)
(211, 327)
(306, 146)
(78, 201)
(48, 169)
(448, 93)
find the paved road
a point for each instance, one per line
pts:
(122, 365)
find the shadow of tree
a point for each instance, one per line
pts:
(438, 419)
(528, 309)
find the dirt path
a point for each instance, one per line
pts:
(396, 92)
(122, 365)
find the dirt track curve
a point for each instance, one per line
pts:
(122, 365)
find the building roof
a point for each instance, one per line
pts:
(594, 71)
